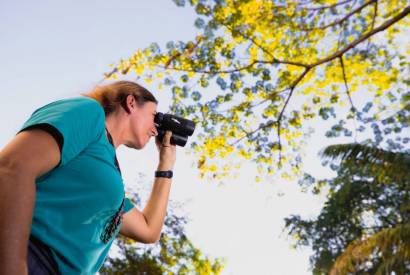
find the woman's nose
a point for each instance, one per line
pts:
(154, 131)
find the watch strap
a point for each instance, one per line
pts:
(164, 174)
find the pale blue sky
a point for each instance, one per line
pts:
(63, 47)
(56, 49)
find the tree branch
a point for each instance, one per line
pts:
(279, 119)
(229, 71)
(353, 108)
(373, 22)
(374, 15)
(293, 63)
(345, 82)
(340, 21)
(382, 27)
(252, 40)
(329, 7)
(108, 75)
(261, 102)
(337, 54)
(339, 40)
(187, 51)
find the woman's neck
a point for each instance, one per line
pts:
(115, 128)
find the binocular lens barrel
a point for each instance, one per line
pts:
(175, 138)
(180, 127)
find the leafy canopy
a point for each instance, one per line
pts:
(259, 72)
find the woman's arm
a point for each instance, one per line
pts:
(146, 226)
(29, 155)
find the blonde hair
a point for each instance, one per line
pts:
(114, 95)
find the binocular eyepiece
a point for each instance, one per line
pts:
(180, 127)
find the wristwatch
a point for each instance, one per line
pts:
(163, 174)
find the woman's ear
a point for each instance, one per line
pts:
(128, 103)
(131, 100)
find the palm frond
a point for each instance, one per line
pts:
(361, 151)
(392, 243)
(395, 164)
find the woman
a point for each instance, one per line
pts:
(61, 192)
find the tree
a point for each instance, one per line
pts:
(259, 71)
(364, 226)
(392, 244)
(173, 254)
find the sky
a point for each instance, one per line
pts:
(59, 49)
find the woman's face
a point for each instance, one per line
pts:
(142, 126)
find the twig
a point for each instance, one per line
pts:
(372, 26)
(252, 40)
(212, 72)
(353, 108)
(187, 51)
(342, 30)
(329, 7)
(279, 119)
(340, 21)
(261, 102)
(345, 82)
(271, 62)
(382, 27)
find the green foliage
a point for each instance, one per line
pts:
(364, 224)
(173, 254)
(391, 244)
(388, 166)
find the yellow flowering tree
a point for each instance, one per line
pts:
(258, 72)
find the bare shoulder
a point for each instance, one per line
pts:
(33, 152)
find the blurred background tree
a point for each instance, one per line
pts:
(366, 216)
(173, 254)
(364, 225)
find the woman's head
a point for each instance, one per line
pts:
(113, 96)
(132, 108)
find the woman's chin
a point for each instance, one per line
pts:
(140, 144)
(136, 146)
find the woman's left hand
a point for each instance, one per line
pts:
(167, 152)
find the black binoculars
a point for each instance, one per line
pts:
(180, 127)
